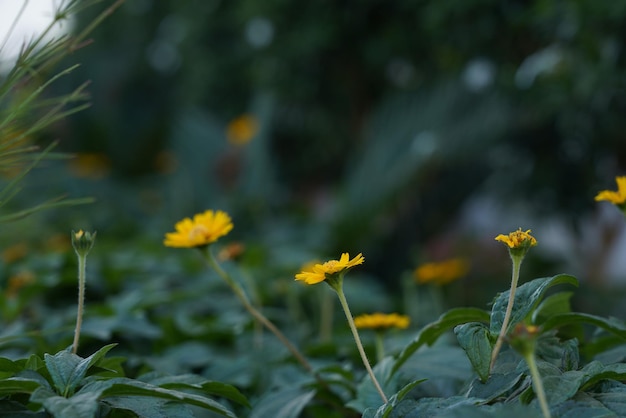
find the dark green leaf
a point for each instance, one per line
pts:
(367, 394)
(476, 339)
(84, 405)
(612, 325)
(558, 303)
(13, 385)
(147, 407)
(284, 403)
(527, 297)
(431, 332)
(496, 386)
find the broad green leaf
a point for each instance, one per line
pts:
(68, 370)
(497, 385)
(428, 407)
(613, 399)
(129, 387)
(283, 403)
(197, 383)
(8, 366)
(558, 303)
(584, 405)
(431, 332)
(527, 297)
(612, 325)
(14, 385)
(508, 410)
(596, 371)
(367, 395)
(83, 405)
(386, 409)
(476, 339)
(146, 407)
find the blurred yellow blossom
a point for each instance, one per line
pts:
(379, 321)
(616, 197)
(242, 129)
(442, 272)
(318, 273)
(204, 229)
(90, 165)
(14, 253)
(19, 281)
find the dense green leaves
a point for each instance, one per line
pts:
(527, 298)
(477, 341)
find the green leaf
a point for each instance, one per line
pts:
(284, 403)
(431, 332)
(497, 385)
(527, 297)
(84, 405)
(197, 383)
(556, 304)
(8, 366)
(387, 408)
(612, 325)
(14, 385)
(596, 371)
(367, 394)
(476, 339)
(129, 387)
(146, 407)
(584, 405)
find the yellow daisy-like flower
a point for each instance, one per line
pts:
(204, 229)
(616, 197)
(442, 272)
(518, 239)
(319, 272)
(380, 321)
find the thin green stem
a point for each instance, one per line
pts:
(241, 295)
(517, 262)
(380, 345)
(82, 262)
(357, 340)
(537, 384)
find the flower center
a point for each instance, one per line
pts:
(198, 232)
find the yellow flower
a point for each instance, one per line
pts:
(442, 272)
(616, 197)
(242, 129)
(319, 272)
(204, 229)
(381, 321)
(518, 239)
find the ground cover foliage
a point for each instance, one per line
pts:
(200, 331)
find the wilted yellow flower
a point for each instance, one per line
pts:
(616, 197)
(19, 281)
(442, 272)
(518, 239)
(379, 321)
(90, 165)
(231, 251)
(204, 229)
(319, 272)
(14, 253)
(242, 129)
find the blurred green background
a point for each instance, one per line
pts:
(411, 131)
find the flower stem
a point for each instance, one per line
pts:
(537, 384)
(82, 262)
(380, 346)
(517, 262)
(357, 340)
(241, 295)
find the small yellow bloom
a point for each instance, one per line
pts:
(242, 129)
(379, 321)
(204, 229)
(442, 272)
(320, 272)
(518, 239)
(616, 197)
